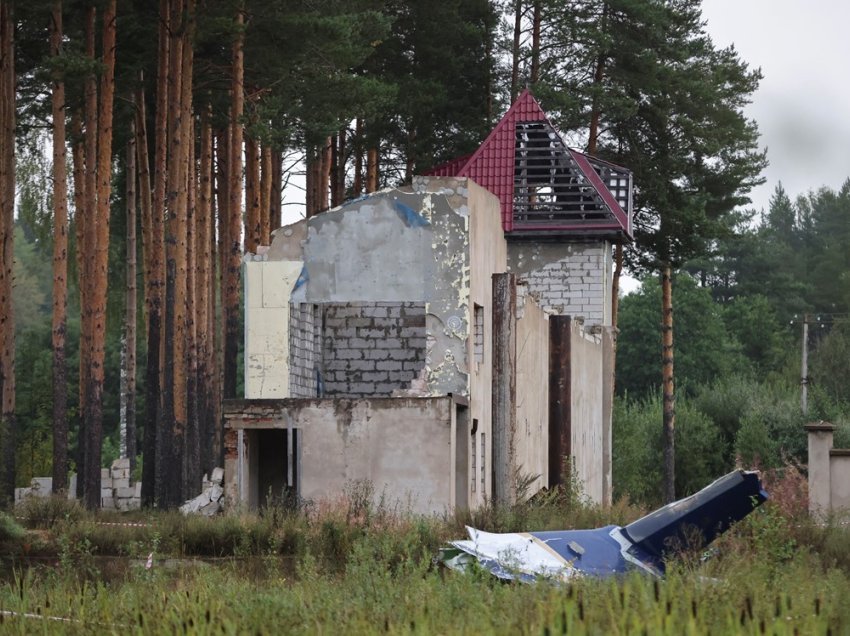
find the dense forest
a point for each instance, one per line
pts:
(144, 146)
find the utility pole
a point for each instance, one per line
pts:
(804, 374)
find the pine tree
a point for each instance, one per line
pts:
(8, 427)
(60, 264)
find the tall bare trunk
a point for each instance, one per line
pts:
(94, 427)
(667, 385)
(595, 109)
(234, 214)
(155, 278)
(203, 284)
(174, 448)
(60, 265)
(275, 217)
(8, 425)
(128, 337)
(310, 159)
(149, 245)
(515, 50)
(265, 194)
(534, 76)
(357, 186)
(78, 154)
(252, 195)
(338, 176)
(325, 175)
(222, 258)
(86, 219)
(192, 455)
(372, 169)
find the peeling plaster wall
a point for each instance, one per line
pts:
(374, 249)
(572, 279)
(469, 254)
(398, 246)
(531, 438)
(268, 285)
(402, 446)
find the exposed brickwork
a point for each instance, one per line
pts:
(304, 349)
(371, 349)
(574, 284)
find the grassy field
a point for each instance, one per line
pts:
(351, 567)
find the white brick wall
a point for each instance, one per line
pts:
(371, 348)
(574, 282)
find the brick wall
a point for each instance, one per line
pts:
(371, 349)
(304, 349)
(574, 284)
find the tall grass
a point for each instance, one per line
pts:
(353, 566)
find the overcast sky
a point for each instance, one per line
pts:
(803, 104)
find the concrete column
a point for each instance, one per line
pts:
(820, 443)
(560, 401)
(504, 387)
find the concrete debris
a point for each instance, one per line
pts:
(210, 501)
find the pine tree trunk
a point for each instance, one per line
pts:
(325, 176)
(60, 266)
(252, 195)
(8, 425)
(222, 256)
(265, 194)
(100, 140)
(357, 186)
(234, 215)
(275, 216)
(78, 154)
(338, 184)
(173, 447)
(192, 473)
(149, 245)
(94, 427)
(155, 283)
(667, 384)
(372, 169)
(203, 284)
(88, 223)
(535, 44)
(515, 50)
(310, 182)
(128, 337)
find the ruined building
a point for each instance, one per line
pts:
(447, 341)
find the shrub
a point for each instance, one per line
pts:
(46, 512)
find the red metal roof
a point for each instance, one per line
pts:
(492, 166)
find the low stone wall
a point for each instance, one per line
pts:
(117, 491)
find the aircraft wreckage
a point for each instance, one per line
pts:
(692, 522)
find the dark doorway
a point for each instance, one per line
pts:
(277, 467)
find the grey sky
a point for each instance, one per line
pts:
(803, 104)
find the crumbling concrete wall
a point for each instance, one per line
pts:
(571, 279)
(590, 417)
(400, 446)
(531, 438)
(372, 349)
(437, 243)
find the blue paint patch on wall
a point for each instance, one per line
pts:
(303, 277)
(410, 216)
